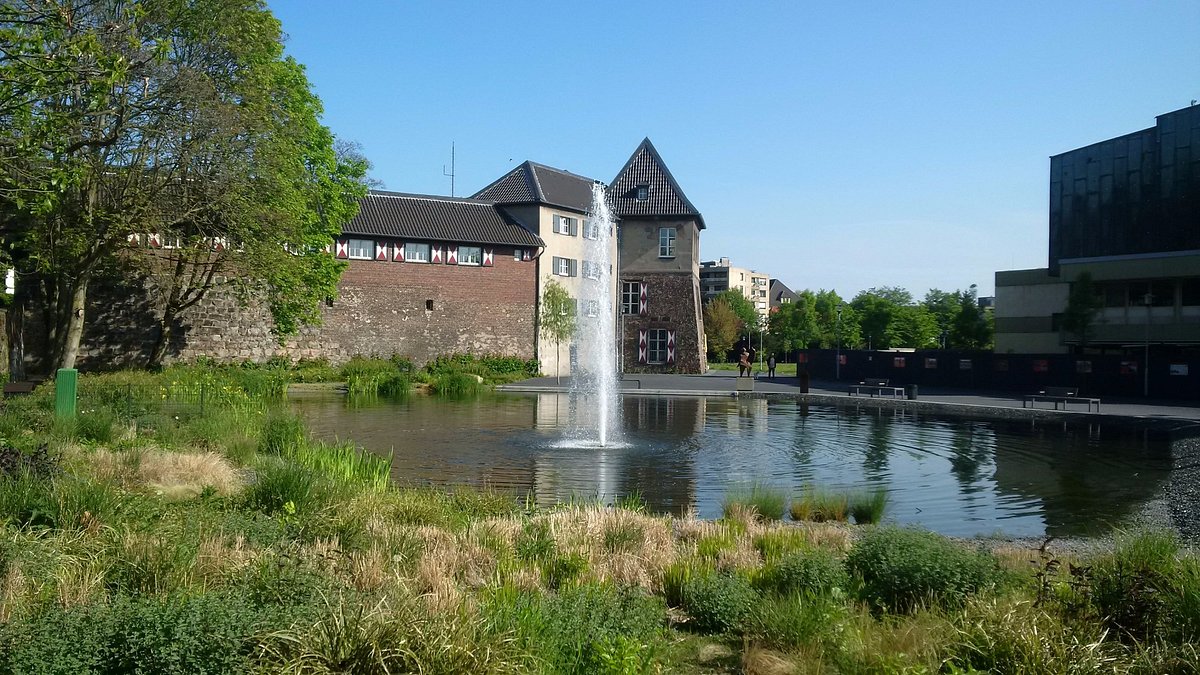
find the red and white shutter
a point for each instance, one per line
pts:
(642, 299)
(398, 252)
(670, 346)
(343, 248)
(134, 239)
(451, 255)
(643, 347)
(154, 241)
(435, 254)
(488, 259)
(381, 251)
(526, 254)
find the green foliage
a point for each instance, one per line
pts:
(456, 385)
(794, 325)
(281, 486)
(178, 636)
(793, 620)
(970, 328)
(371, 377)
(679, 574)
(719, 603)
(818, 505)
(767, 502)
(314, 370)
(281, 434)
(62, 502)
(557, 320)
(591, 628)
(1146, 589)
(868, 508)
(774, 544)
(622, 535)
(721, 327)
(742, 308)
(900, 569)
(807, 572)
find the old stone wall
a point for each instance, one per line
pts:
(672, 303)
(418, 310)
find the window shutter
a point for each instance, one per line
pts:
(155, 241)
(643, 351)
(574, 264)
(451, 255)
(642, 310)
(435, 254)
(557, 223)
(399, 253)
(487, 257)
(343, 248)
(381, 251)
(574, 226)
(670, 346)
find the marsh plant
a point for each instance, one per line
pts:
(760, 499)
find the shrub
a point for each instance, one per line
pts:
(364, 376)
(455, 384)
(776, 543)
(793, 620)
(677, 576)
(718, 603)
(812, 572)
(281, 433)
(38, 463)
(284, 486)
(314, 370)
(901, 568)
(397, 385)
(95, 426)
(766, 501)
(867, 508)
(1145, 588)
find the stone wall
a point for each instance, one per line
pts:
(672, 303)
(382, 308)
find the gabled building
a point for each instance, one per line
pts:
(780, 294)
(661, 323)
(552, 204)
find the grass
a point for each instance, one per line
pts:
(817, 505)
(223, 539)
(781, 369)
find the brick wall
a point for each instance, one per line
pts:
(672, 303)
(381, 309)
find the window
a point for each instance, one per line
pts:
(565, 225)
(666, 242)
(631, 293)
(416, 253)
(592, 308)
(657, 343)
(470, 255)
(361, 249)
(643, 193)
(564, 267)
(429, 305)
(1191, 292)
(591, 230)
(591, 270)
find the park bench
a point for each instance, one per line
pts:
(876, 386)
(1057, 395)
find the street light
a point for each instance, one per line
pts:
(837, 366)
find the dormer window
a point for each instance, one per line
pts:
(643, 193)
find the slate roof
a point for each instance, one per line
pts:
(666, 198)
(533, 183)
(779, 291)
(433, 218)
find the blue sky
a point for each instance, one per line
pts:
(838, 145)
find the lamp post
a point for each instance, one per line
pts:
(1148, 300)
(837, 363)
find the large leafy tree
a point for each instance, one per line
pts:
(741, 306)
(794, 325)
(835, 327)
(180, 118)
(970, 328)
(721, 327)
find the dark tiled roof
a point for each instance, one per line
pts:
(533, 183)
(778, 291)
(666, 198)
(405, 216)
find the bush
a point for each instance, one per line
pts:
(718, 603)
(281, 486)
(1146, 589)
(868, 508)
(819, 506)
(38, 463)
(902, 568)
(812, 572)
(455, 384)
(766, 501)
(792, 620)
(179, 636)
(281, 434)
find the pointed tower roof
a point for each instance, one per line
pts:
(533, 183)
(663, 196)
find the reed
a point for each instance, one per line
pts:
(819, 506)
(768, 502)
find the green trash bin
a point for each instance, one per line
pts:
(66, 382)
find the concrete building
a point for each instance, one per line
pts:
(718, 276)
(1127, 212)
(661, 322)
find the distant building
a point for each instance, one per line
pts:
(780, 294)
(1127, 211)
(661, 323)
(718, 276)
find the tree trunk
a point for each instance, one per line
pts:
(159, 351)
(15, 327)
(74, 324)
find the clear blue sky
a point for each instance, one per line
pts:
(834, 145)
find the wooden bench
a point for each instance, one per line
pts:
(876, 386)
(1057, 395)
(17, 388)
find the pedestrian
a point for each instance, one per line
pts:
(771, 366)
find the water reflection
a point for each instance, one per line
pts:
(957, 476)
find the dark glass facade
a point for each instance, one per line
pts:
(1138, 193)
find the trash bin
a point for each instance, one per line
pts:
(910, 392)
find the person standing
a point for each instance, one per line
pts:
(771, 366)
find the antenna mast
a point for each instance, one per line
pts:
(451, 173)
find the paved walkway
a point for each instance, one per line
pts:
(722, 383)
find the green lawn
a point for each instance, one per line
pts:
(781, 369)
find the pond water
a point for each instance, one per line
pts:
(957, 476)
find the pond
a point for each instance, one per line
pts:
(954, 475)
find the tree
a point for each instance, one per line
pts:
(794, 325)
(1083, 307)
(835, 327)
(180, 118)
(721, 327)
(970, 328)
(911, 326)
(741, 306)
(944, 306)
(558, 318)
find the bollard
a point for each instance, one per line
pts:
(65, 384)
